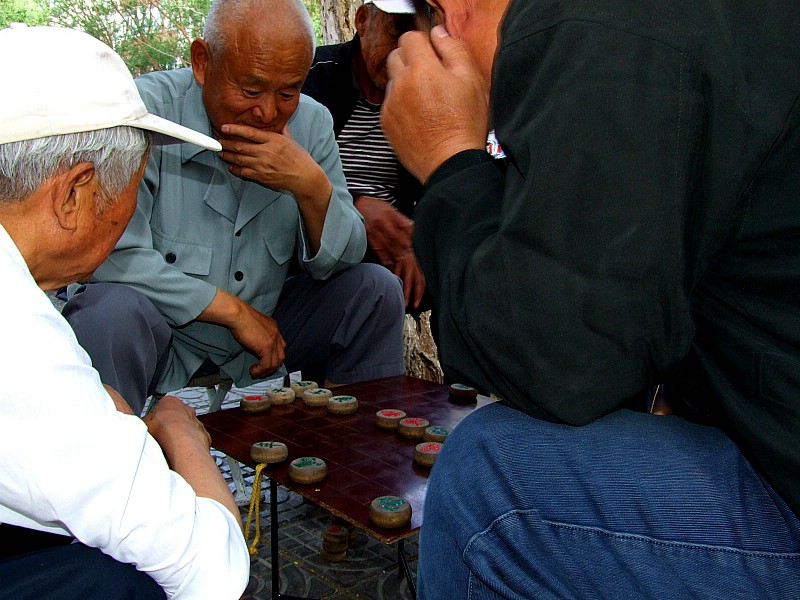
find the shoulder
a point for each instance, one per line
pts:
(331, 53)
(311, 114)
(164, 87)
(311, 124)
(331, 67)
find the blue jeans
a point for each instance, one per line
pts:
(631, 506)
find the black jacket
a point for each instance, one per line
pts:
(647, 226)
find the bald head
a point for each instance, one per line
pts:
(288, 21)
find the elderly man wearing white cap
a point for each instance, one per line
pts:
(94, 502)
(350, 80)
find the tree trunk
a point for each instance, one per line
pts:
(337, 20)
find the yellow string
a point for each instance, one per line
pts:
(255, 502)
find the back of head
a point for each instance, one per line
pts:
(67, 97)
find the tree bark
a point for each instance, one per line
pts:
(337, 20)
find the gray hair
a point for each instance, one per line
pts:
(238, 11)
(116, 153)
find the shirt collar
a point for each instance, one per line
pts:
(11, 247)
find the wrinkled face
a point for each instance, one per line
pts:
(379, 32)
(255, 80)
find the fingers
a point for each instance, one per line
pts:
(271, 359)
(408, 270)
(383, 255)
(395, 62)
(418, 285)
(245, 132)
(451, 51)
(413, 45)
(238, 150)
(399, 268)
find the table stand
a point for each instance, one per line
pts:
(402, 563)
(402, 567)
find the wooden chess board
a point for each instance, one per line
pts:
(363, 461)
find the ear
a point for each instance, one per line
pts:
(456, 22)
(362, 16)
(75, 191)
(201, 57)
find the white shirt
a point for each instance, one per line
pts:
(71, 464)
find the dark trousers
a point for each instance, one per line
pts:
(347, 328)
(71, 571)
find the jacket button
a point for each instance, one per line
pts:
(170, 257)
(238, 276)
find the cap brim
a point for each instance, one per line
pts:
(172, 133)
(395, 7)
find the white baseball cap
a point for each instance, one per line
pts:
(399, 7)
(57, 81)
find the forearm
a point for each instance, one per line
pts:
(344, 240)
(225, 309)
(192, 461)
(313, 197)
(185, 444)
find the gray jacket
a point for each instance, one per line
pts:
(192, 234)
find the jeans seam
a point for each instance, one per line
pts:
(620, 535)
(670, 543)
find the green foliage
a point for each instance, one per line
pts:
(149, 35)
(21, 11)
(314, 11)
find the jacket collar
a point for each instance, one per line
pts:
(194, 117)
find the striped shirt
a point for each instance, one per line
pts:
(369, 163)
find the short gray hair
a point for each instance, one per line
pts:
(222, 11)
(116, 154)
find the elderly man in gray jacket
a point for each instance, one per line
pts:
(206, 259)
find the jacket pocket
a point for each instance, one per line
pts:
(281, 244)
(190, 257)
